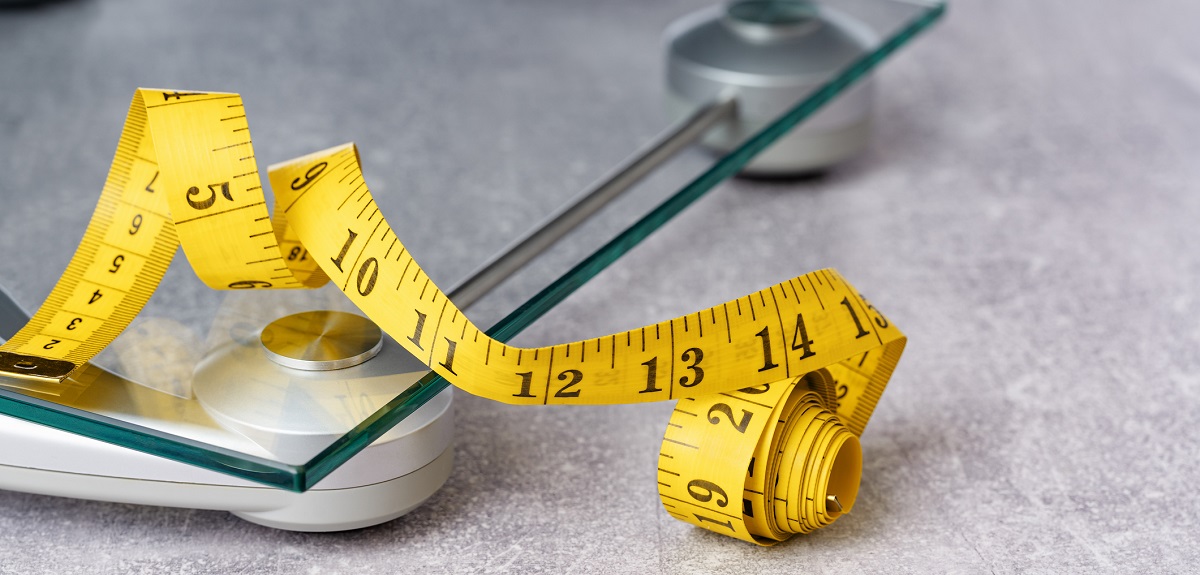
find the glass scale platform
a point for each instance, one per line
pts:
(571, 95)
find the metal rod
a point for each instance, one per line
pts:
(596, 196)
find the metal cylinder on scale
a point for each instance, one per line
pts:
(768, 55)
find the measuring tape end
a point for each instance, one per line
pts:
(34, 368)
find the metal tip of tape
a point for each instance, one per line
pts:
(832, 503)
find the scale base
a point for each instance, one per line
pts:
(388, 479)
(357, 507)
(317, 510)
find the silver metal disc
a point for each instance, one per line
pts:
(321, 340)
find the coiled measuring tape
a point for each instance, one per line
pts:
(774, 387)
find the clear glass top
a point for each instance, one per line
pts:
(490, 119)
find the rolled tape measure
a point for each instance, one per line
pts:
(774, 387)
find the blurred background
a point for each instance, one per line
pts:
(1025, 212)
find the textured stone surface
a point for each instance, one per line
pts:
(1026, 213)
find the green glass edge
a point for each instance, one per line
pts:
(300, 478)
(151, 441)
(423, 390)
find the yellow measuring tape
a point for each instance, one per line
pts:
(774, 387)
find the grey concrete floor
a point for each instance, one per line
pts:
(1026, 214)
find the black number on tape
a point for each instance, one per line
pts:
(449, 363)
(726, 524)
(373, 264)
(861, 332)
(765, 334)
(800, 338)
(249, 284)
(345, 248)
(880, 321)
(695, 367)
(728, 411)
(212, 195)
(703, 491)
(309, 176)
(651, 375)
(576, 377)
(526, 383)
(416, 336)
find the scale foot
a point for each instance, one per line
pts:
(357, 507)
